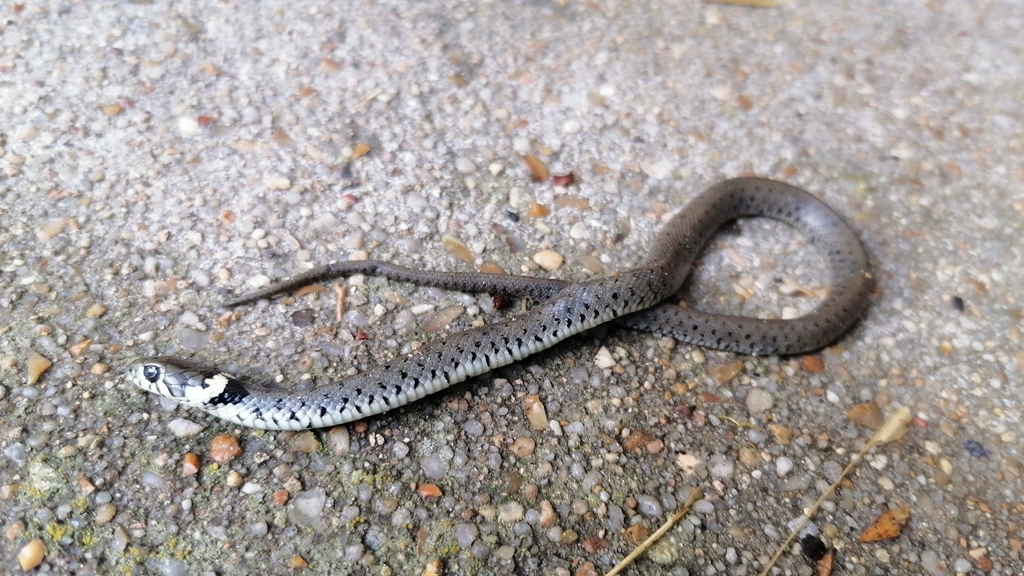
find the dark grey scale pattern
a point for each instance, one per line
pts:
(847, 301)
(632, 298)
(523, 287)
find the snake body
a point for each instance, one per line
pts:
(633, 298)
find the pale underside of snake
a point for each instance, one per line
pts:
(634, 298)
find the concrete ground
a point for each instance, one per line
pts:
(157, 156)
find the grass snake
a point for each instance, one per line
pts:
(634, 298)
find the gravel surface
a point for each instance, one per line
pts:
(156, 157)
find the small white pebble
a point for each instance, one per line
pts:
(155, 288)
(783, 466)
(604, 358)
(758, 401)
(120, 540)
(902, 151)
(703, 506)
(251, 488)
(277, 182)
(189, 126)
(259, 281)
(26, 133)
(962, 566)
(548, 259)
(579, 231)
(510, 512)
(556, 427)
(202, 278)
(721, 92)
(105, 513)
(687, 463)
(657, 170)
(182, 428)
(338, 440)
(722, 467)
(400, 450)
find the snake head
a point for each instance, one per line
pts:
(187, 382)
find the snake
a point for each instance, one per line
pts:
(639, 298)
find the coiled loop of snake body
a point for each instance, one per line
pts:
(633, 298)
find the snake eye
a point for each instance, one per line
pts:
(151, 372)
